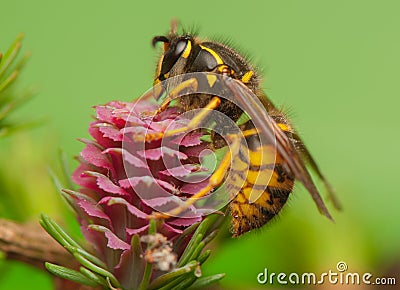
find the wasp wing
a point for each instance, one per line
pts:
(306, 155)
(256, 111)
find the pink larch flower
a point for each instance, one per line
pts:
(114, 167)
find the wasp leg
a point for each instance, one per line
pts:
(196, 121)
(193, 124)
(214, 181)
(159, 110)
(185, 85)
(250, 132)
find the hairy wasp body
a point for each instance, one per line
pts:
(254, 164)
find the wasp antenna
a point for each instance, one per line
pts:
(159, 39)
(174, 26)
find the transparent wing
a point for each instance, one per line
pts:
(284, 146)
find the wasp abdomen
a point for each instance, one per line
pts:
(263, 185)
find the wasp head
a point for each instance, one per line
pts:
(175, 55)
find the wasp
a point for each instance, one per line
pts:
(187, 53)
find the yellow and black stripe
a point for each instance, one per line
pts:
(261, 177)
(263, 185)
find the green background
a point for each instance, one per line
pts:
(333, 64)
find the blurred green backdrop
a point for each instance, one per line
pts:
(333, 64)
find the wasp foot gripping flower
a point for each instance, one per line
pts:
(122, 179)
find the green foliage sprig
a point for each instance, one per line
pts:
(10, 97)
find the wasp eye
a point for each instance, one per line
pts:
(172, 56)
(180, 47)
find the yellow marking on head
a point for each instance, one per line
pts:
(284, 127)
(217, 58)
(247, 76)
(211, 80)
(158, 70)
(187, 50)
